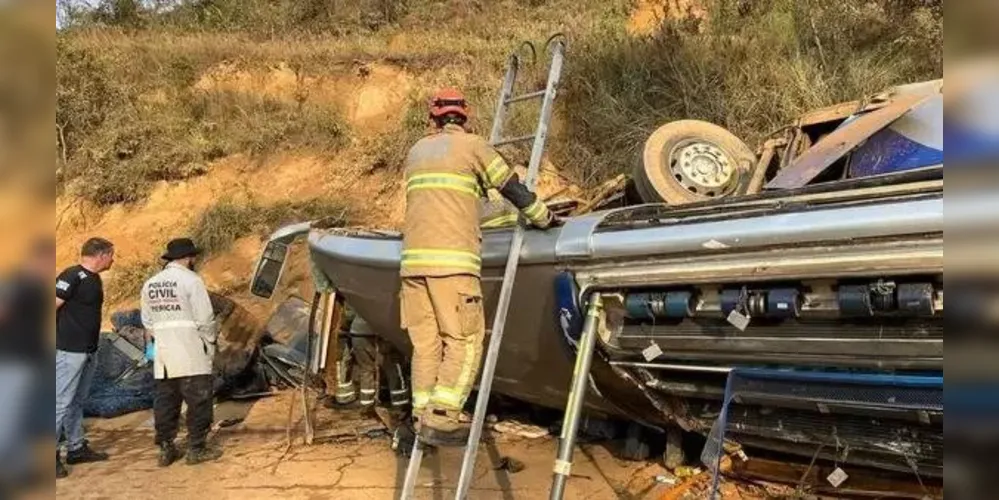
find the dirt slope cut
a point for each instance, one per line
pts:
(373, 96)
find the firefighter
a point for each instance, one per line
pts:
(345, 392)
(447, 174)
(370, 353)
(362, 353)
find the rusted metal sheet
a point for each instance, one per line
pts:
(842, 111)
(832, 147)
(829, 113)
(603, 193)
(759, 174)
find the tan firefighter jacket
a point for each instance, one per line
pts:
(447, 174)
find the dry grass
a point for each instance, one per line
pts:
(750, 67)
(225, 222)
(389, 150)
(129, 116)
(218, 228)
(126, 282)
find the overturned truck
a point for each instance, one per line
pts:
(841, 277)
(848, 279)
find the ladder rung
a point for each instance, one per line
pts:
(524, 97)
(503, 142)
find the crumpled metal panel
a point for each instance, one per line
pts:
(913, 141)
(841, 141)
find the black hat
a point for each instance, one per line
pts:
(180, 248)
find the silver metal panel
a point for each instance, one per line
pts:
(575, 237)
(538, 247)
(381, 252)
(384, 250)
(890, 258)
(286, 234)
(673, 367)
(579, 238)
(890, 219)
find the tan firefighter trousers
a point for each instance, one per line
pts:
(446, 326)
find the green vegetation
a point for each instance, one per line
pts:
(132, 107)
(225, 222)
(245, 16)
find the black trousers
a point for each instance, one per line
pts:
(198, 393)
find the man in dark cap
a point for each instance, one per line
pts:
(177, 312)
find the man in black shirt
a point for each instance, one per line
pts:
(79, 300)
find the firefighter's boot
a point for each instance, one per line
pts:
(440, 427)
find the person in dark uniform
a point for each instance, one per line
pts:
(79, 301)
(362, 354)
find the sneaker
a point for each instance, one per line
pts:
(84, 455)
(197, 456)
(168, 454)
(443, 428)
(61, 470)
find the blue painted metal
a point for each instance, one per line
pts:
(913, 141)
(843, 377)
(924, 392)
(845, 139)
(570, 316)
(783, 303)
(652, 305)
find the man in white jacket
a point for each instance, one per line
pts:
(177, 313)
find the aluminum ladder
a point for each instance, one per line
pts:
(556, 47)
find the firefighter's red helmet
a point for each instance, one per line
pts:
(446, 101)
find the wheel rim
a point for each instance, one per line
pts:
(701, 168)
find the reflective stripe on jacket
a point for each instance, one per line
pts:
(498, 213)
(446, 176)
(177, 312)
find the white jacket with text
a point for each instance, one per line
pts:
(177, 312)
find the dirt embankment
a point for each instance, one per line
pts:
(648, 15)
(371, 96)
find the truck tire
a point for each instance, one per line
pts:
(688, 161)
